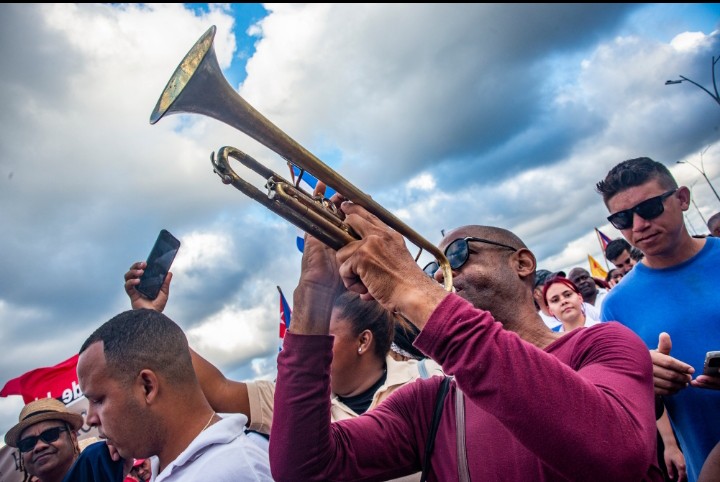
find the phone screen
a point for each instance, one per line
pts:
(158, 264)
(712, 363)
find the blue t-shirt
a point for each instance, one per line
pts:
(95, 465)
(683, 301)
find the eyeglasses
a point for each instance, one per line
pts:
(648, 209)
(48, 436)
(458, 253)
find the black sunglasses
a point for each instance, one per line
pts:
(458, 253)
(48, 436)
(648, 209)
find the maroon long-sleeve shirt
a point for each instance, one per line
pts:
(582, 409)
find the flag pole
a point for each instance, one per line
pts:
(602, 248)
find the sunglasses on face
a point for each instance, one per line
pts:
(648, 209)
(48, 436)
(458, 253)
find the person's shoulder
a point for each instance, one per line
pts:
(712, 246)
(415, 390)
(606, 334)
(239, 460)
(95, 464)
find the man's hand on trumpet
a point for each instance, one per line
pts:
(380, 266)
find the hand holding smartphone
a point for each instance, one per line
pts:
(712, 363)
(158, 264)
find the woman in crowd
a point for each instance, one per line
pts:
(565, 303)
(363, 371)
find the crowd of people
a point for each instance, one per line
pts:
(519, 373)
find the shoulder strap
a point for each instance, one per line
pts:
(463, 469)
(442, 392)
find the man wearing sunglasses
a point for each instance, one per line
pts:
(670, 298)
(46, 437)
(499, 419)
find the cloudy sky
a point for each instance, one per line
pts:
(447, 115)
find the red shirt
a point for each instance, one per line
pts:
(582, 409)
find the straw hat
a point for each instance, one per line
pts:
(39, 411)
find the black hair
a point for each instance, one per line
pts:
(715, 218)
(634, 172)
(144, 339)
(367, 315)
(636, 254)
(405, 334)
(616, 247)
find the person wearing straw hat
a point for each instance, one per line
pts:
(46, 437)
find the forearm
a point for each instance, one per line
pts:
(666, 431)
(522, 385)
(224, 396)
(302, 402)
(307, 446)
(312, 307)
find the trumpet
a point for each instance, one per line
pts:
(198, 86)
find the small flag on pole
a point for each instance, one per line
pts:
(596, 270)
(285, 315)
(307, 183)
(604, 240)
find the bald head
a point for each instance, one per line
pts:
(490, 233)
(492, 268)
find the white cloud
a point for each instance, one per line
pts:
(509, 113)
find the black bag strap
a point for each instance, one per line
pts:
(442, 392)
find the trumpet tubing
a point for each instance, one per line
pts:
(198, 86)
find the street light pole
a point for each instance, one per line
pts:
(716, 96)
(702, 171)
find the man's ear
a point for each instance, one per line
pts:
(524, 262)
(683, 195)
(149, 384)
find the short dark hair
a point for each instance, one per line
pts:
(616, 247)
(144, 339)
(367, 315)
(636, 254)
(634, 172)
(715, 218)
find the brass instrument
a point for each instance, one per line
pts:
(199, 86)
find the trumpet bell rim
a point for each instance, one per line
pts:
(182, 75)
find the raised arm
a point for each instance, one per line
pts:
(224, 395)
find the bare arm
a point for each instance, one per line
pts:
(225, 396)
(674, 458)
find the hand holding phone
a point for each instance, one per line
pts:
(712, 364)
(158, 264)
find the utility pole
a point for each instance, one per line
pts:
(701, 170)
(715, 96)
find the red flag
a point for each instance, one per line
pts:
(59, 381)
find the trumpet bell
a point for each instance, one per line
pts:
(198, 86)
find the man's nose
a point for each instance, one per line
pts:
(40, 445)
(639, 223)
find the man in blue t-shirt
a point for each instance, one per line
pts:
(671, 298)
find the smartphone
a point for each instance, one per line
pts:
(158, 264)
(712, 363)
